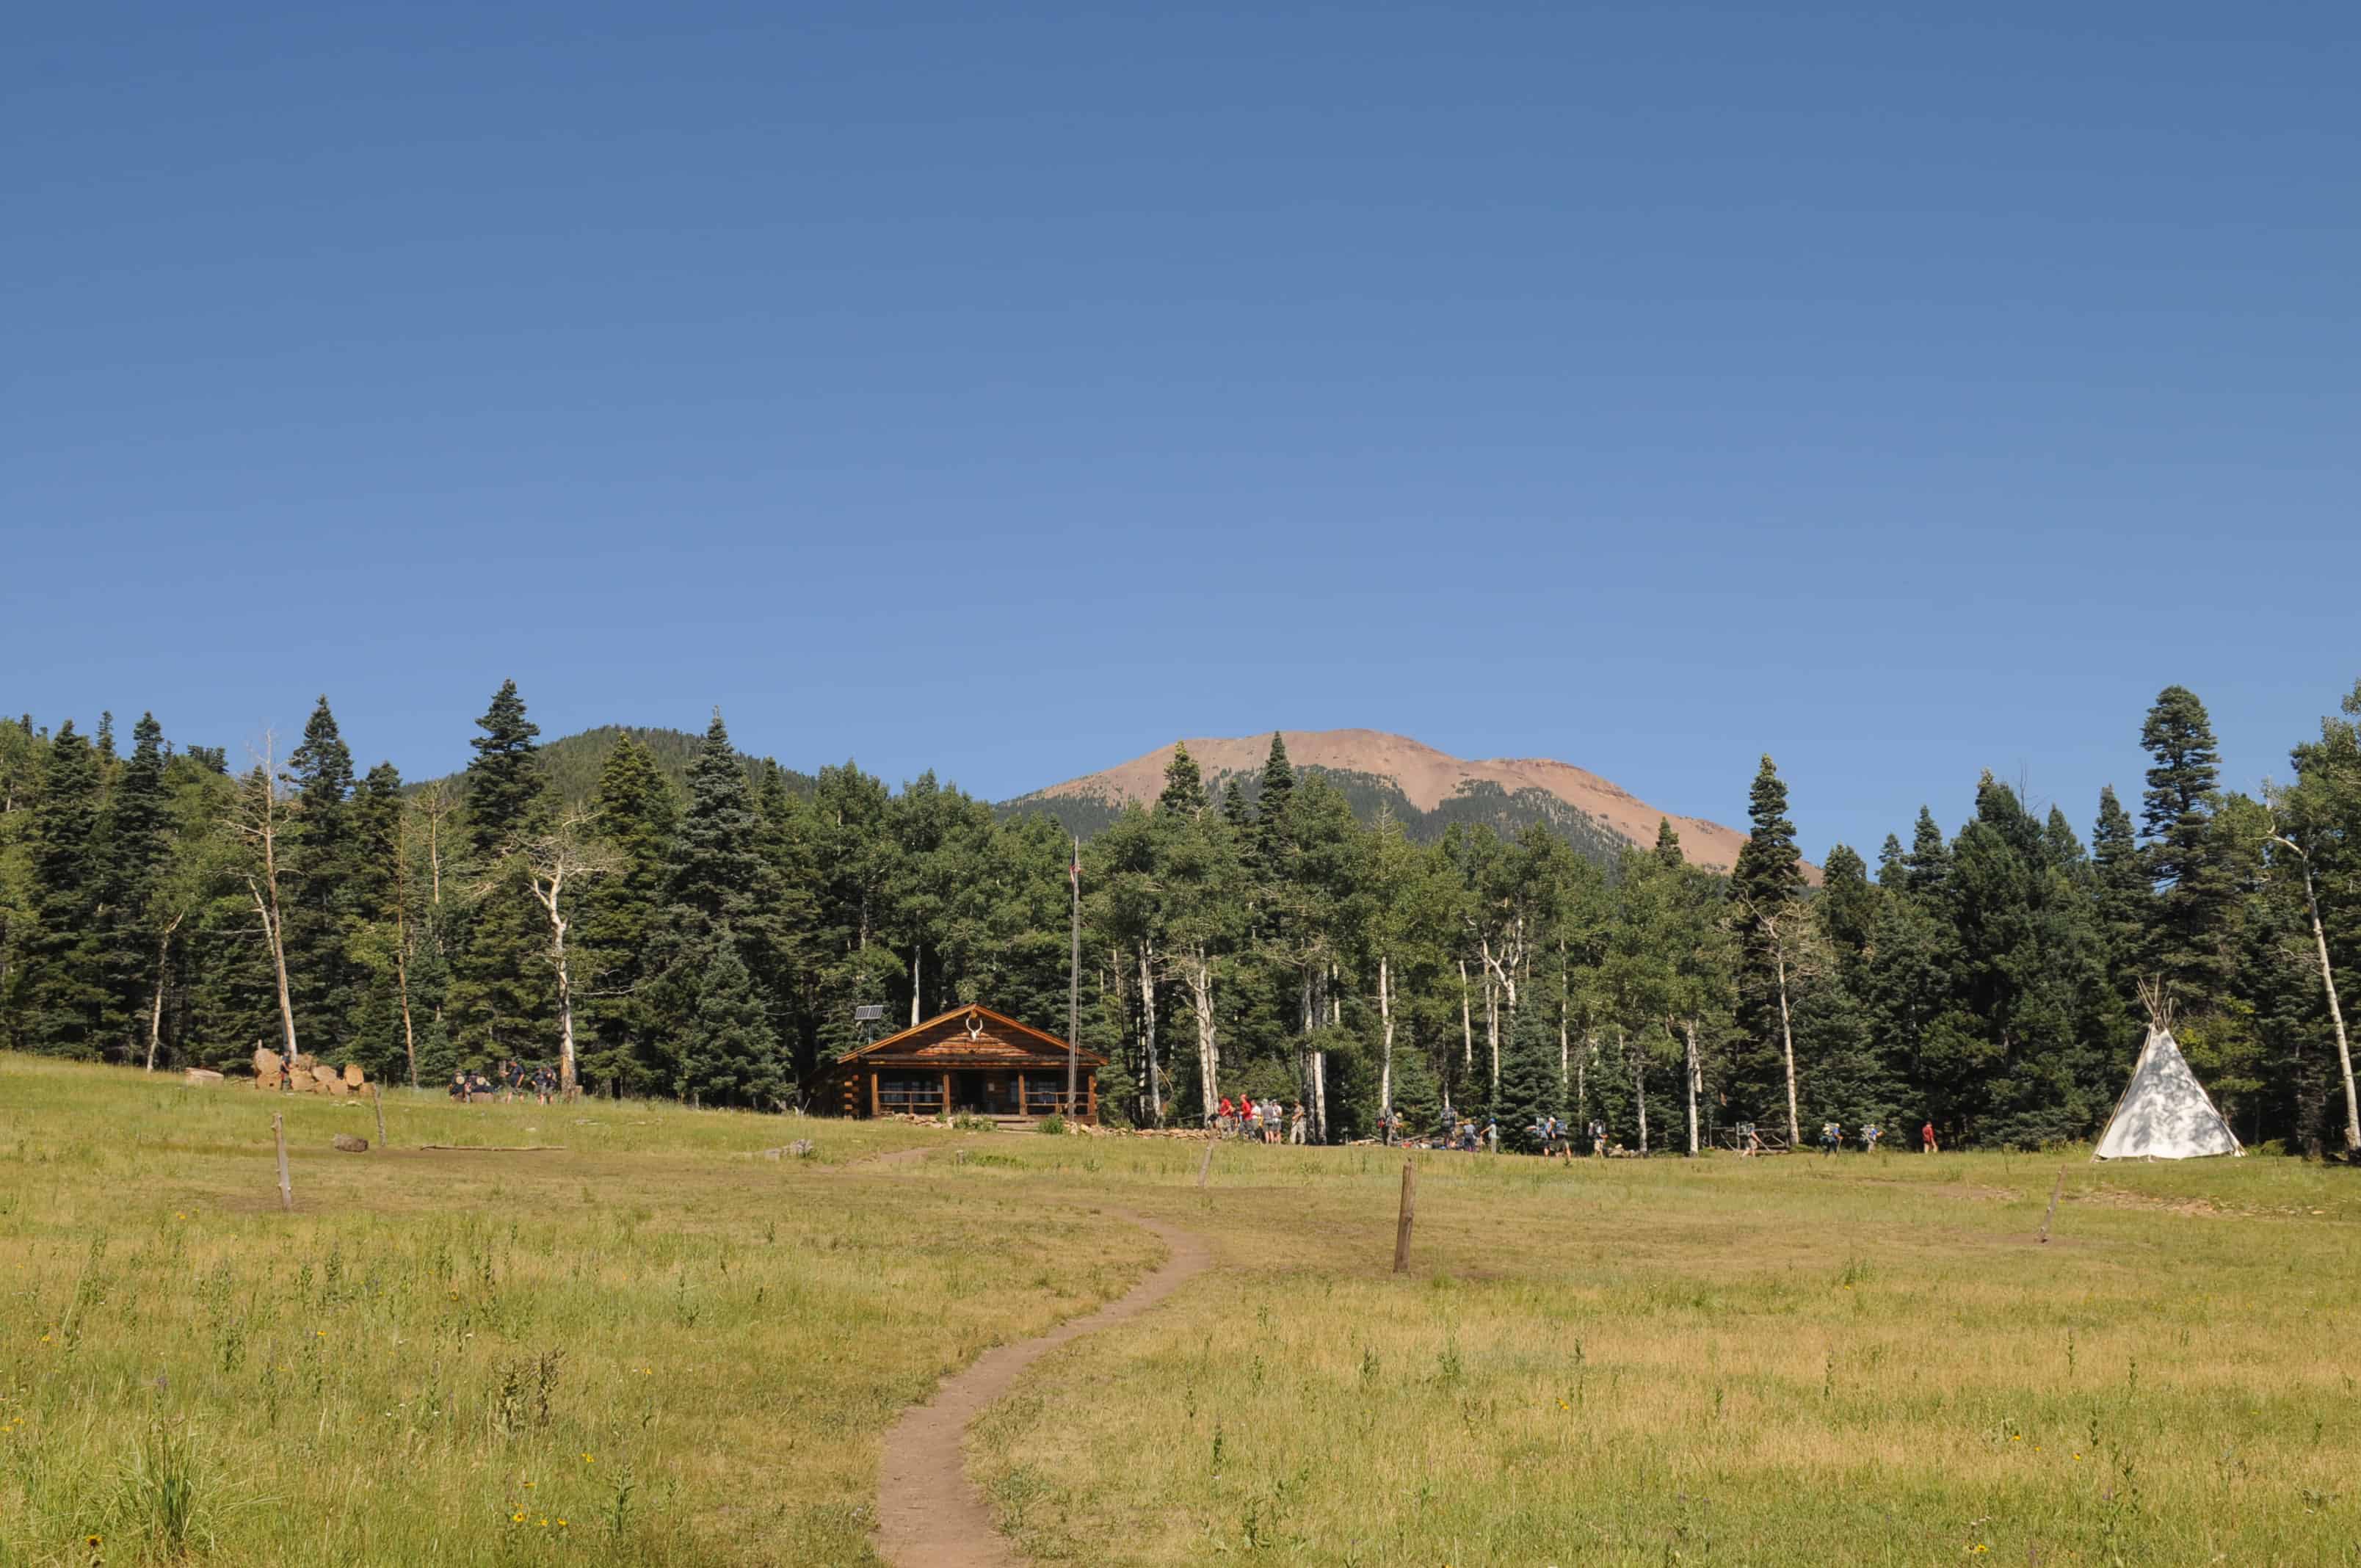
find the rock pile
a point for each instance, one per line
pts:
(306, 1074)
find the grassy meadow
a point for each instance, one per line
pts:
(1861, 1360)
(654, 1345)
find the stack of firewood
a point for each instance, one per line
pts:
(305, 1074)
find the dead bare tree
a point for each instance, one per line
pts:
(259, 820)
(156, 1002)
(434, 806)
(1786, 933)
(566, 853)
(2328, 983)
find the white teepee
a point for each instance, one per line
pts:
(2164, 1113)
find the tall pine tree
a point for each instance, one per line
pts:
(2191, 937)
(60, 995)
(503, 994)
(633, 812)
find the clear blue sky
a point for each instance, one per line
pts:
(1010, 390)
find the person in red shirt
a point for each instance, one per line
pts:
(1927, 1138)
(1221, 1124)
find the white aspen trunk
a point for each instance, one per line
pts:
(549, 893)
(409, 1034)
(1208, 1056)
(156, 1005)
(1492, 1029)
(564, 1007)
(269, 913)
(916, 948)
(1148, 1029)
(1466, 1024)
(2336, 1015)
(402, 949)
(1386, 1054)
(1582, 1078)
(1564, 1040)
(1695, 1075)
(1788, 1043)
(1639, 1088)
(1320, 1097)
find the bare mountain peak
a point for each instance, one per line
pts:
(1426, 777)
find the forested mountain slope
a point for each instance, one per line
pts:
(572, 762)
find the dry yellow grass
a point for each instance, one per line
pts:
(686, 1351)
(653, 1347)
(1720, 1362)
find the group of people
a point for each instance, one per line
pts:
(1832, 1137)
(514, 1081)
(1553, 1133)
(1260, 1121)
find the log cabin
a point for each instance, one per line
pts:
(969, 1062)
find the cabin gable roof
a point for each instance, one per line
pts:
(971, 1035)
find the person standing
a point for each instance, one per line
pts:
(1295, 1120)
(1831, 1138)
(1927, 1139)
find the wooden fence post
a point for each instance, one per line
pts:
(286, 1188)
(1206, 1165)
(1408, 1211)
(377, 1102)
(2058, 1187)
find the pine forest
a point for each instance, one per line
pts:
(686, 922)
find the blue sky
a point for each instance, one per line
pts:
(1009, 391)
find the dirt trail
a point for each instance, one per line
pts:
(927, 1515)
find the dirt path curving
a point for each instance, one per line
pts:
(927, 1514)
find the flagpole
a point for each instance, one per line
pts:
(1075, 975)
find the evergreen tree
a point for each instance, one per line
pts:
(1237, 810)
(728, 1053)
(721, 888)
(321, 906)
(503, 993)
(1529, 1079)
(1892, 869)
(1184, 785)
(381, 950)
(1848, 902)
(1928, 863)
(137, 836)
(1765, 891)
(2125, 894)
(506, 793)
(1272, 800)
(1668, 843)
(2192, 946)
(59, 995)
(634, 814)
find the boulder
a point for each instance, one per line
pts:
(349, 1143)
(204, 1075)
(353, 1078)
